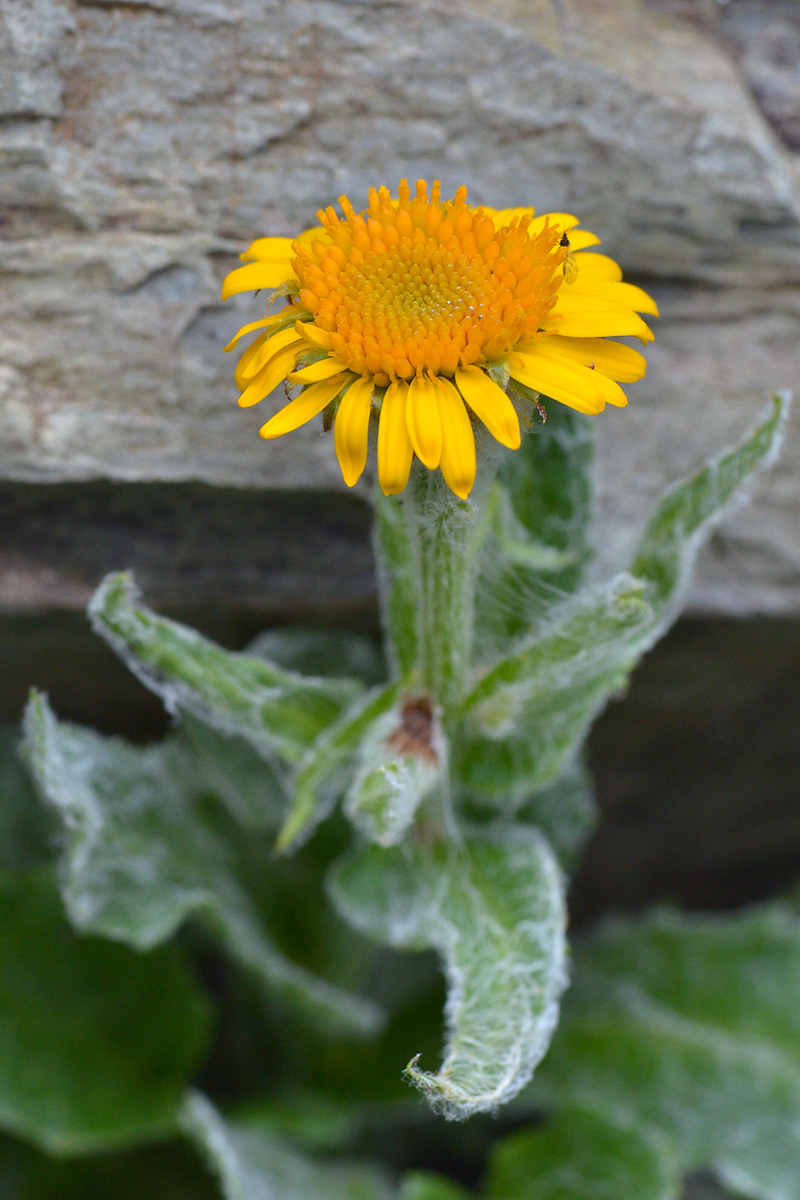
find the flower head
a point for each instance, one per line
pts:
(416, 311)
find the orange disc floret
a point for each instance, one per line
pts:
(418, 285)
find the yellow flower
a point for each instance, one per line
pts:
(412, 310)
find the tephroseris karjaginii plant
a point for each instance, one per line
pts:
(437, 798)
(460, 776)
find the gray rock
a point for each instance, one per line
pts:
(143, 144)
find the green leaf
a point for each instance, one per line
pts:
(254, 790)
(320, 652)
(327, 766)
(398, 572)
(424, 1185)
(565, 812)
(526, 716)
(168, 1171)
(682, 519)
(398, 766)
(253, 1163)
(515, 542)
(541, 539)
(141, 855)
(24, 825)
(277, 712)
(689, 1026)
(494, 909)
(580, 1156)
(96, 1042)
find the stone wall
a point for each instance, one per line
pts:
(143, 142)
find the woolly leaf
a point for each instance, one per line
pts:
(96, 1042)
(327, 766)
(494, 909)
(141, 855)
(689, 1026)
(397, 768)
(253, 1163)
(580, 1156)
(682, 520)
(525, 717)
(276, 711)
(530, 710)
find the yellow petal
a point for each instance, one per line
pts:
(269, 249)
(263, 349)
(626, 295)
(610, 391)
(351, 429)
(317, 371)
(490, 404)
(312, 333)
(264, 323)
(575, 315)
(597, 267)
(255, 276)
(305, 406)
(560, 379)
(557, 220)
(318, 233)
(422, 421)
(395, 451)
(579, 239)
(243, 373)
(615, 360)
(270, 375)
(504, 216)
(458, 441)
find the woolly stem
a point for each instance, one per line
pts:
(428, 544)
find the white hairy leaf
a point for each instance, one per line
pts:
(277, 711)
(494, 909)
(141, 855)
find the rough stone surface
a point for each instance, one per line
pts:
(143, 142)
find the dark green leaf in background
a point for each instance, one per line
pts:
(332, 653)
(97, 1042)
(423, 1185)
(25, 827)
(679, 1047)
(580, 1156)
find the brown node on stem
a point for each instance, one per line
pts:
(414, 734)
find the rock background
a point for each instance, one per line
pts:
(144, 142)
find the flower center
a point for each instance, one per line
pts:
(419, 285)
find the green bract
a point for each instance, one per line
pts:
(315, 813)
